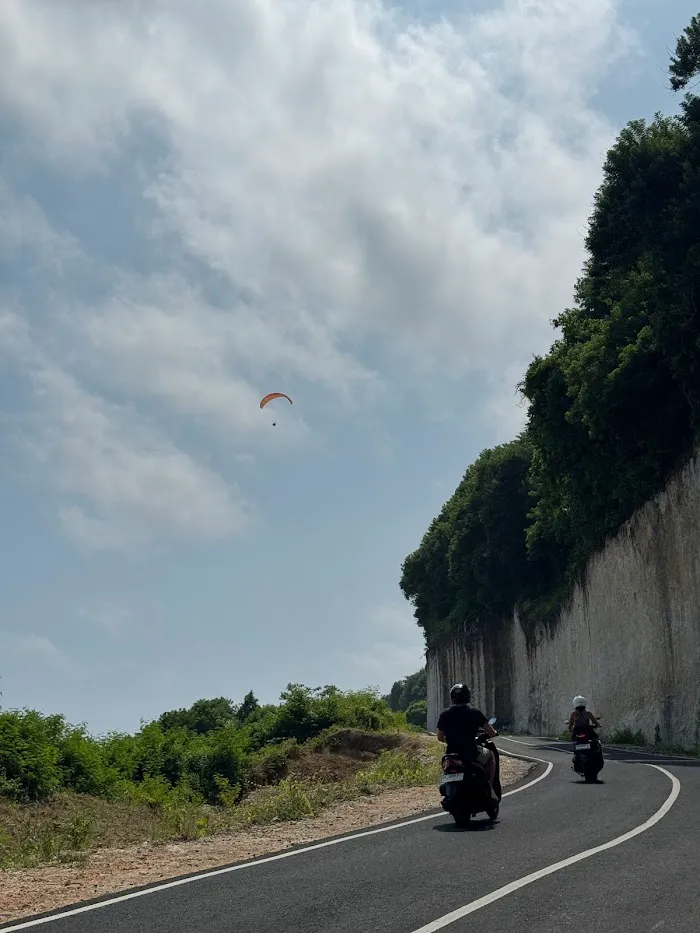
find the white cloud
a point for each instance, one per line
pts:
(124, 483)
(8, 330)
(116, 621)
(40, 650)
(394, 646)
(351, 178)
(25, 231)
(159, 338)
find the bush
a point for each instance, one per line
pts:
(205, 754)
(269, 765)
(30, 754)
(417, 714)
(83, 764)
(220, 755)
(627, 737)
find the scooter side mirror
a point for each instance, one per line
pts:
(492, 721)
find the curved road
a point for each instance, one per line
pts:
(423, 875)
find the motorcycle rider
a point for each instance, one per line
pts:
(457, 727)
(582, 718)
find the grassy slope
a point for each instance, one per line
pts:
(342, 765)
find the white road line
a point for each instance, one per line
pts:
(557, 866)
(649, 761)
(542, 776)
(526, 744)
(642, 760)
(118, 899)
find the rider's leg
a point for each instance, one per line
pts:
(491, 769)
(487, 759)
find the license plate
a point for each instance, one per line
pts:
(580, 748)
(446, 778)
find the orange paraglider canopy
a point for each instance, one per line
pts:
(268, 398)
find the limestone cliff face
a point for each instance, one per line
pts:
(629, 640)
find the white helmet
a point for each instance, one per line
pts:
(580, 701)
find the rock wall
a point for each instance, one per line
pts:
(629, 640)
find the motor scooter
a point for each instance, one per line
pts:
(588, 758)
(464, 785)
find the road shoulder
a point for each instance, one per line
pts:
(30, 892)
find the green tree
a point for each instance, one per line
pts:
(614, 406)
(29, 754)
(249, 706)
(202, 717)
(685, 63)
(472, 563)
(417, 714)
(411, 689)
(83, 763)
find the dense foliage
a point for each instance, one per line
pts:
(614, 406)
(410, 696)
(205, 753)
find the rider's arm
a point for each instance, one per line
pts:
(571, 721)
(594, 719)
(440, 731)
(488, 729)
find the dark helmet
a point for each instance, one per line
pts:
(460, 693)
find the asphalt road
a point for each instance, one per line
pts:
(408, 879)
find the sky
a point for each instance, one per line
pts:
(375, 209)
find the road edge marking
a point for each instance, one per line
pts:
(507, 889)
(643, 759)
(178, 882)
(529, 744)
(547, 771)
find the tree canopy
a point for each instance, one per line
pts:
(410, 689)
(614, 406)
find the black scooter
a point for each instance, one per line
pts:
(464, 786)
(588, 758)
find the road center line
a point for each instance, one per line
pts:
(507, 889)
(164, 886)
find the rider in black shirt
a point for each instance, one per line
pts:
(458, 725)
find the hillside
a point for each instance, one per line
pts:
(614, 407)
(195, 772)
(214, 754)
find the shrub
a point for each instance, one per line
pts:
(204, 754)
(417, 714)
(30, 754)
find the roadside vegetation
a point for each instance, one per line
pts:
(215, 767)
(614, 407)
(410, 696)
(626, 738)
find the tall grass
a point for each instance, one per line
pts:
(294, 800)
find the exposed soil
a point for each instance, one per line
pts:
(338, 756)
